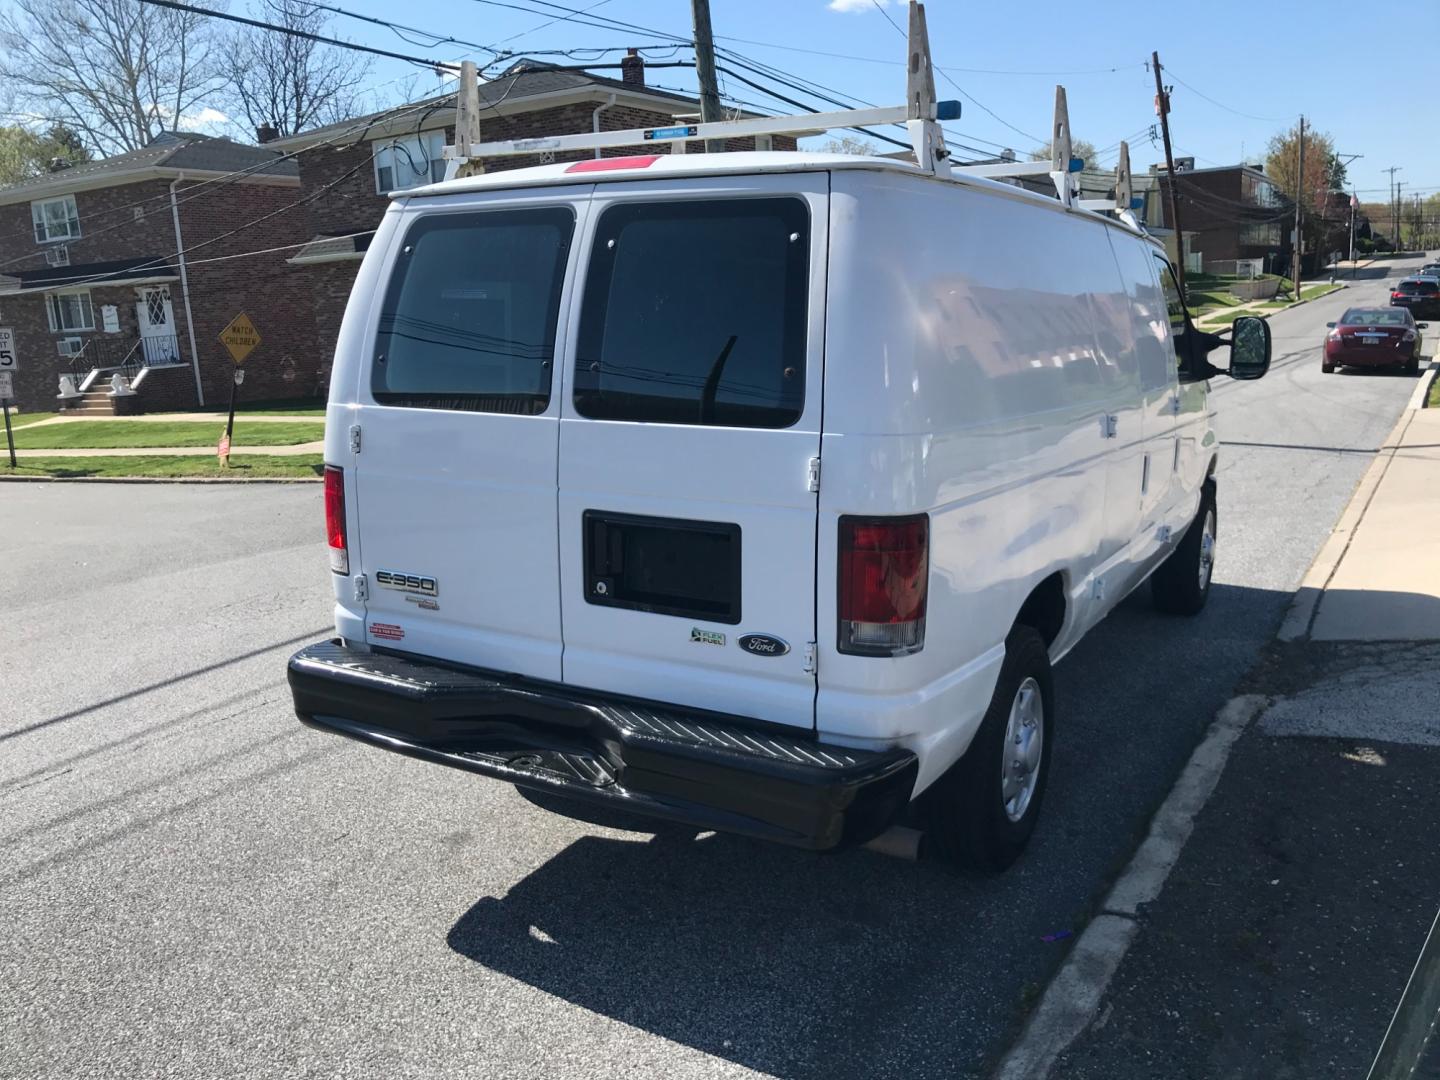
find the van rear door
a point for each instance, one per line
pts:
(455, 477)
(690, 442)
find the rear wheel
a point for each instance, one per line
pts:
(981, 813)
(1181, 585)
(1326, 368)
(1413, 367)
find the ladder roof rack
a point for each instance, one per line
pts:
(922, 115)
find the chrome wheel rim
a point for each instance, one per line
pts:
(1207, 549)
(1023, 749)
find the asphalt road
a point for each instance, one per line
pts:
(194, 885)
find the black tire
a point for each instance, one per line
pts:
(1179, 586)
(964, 812)
(1327, 369)
(1412, 368)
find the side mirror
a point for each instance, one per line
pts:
(1249, 348)
(1330, 325)
(1422, 326)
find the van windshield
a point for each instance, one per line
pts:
(694, 313)
(469, 317)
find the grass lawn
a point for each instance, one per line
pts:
(300, 467)
(1433, 401)
(1313, 292)
(19, 419)
(106, 434)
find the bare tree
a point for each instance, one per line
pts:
(287, 82)
(115, 71)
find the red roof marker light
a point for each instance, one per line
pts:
(607, 164)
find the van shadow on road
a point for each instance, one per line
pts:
(801, 965)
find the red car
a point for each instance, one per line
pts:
(1374, 337)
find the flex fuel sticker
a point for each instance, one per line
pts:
(706, 637)
(386, 631)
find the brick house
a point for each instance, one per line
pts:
(347, 181)
(125, 265)
(1231, 213)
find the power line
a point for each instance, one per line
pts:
(206, 187)
(946, 76)
(1220, 105)
(422, 61)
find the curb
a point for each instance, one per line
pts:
(160, 480)
(1289, 307)
(1301, 614)
(1072, 999)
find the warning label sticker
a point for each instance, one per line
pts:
(388, 631)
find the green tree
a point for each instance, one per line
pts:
(1078, 148)
(1324, 171)
(25, 154)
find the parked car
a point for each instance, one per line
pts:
(1421, 295)
(1374, 337)
(755, 491)
(1429, 270)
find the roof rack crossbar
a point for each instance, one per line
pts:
(921, 115)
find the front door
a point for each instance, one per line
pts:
(158, 344)
(689, 428)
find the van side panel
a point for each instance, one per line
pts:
(970, 385)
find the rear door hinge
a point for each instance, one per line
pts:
(812, 659)
(362, 589)
(812, 475)
(1109, 426)
(1163, 534)
(1098, 589)
(354, 438)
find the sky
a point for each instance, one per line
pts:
(1241, 71)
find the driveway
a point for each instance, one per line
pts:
(195, 885)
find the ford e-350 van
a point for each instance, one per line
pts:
(755, 491)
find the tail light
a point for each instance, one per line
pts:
(1396, 295)
(335, 519)
(884, 578)
(1335, 335)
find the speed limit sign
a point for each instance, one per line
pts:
(7, 349)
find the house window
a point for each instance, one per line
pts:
(55, 219)
(70, 311)
(409, 162)
(1261, 234)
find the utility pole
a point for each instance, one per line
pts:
(1392, 171)
(1398, 185)
(1299, 245)
(1162, 108)
(705, 70)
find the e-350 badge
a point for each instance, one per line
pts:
(419, 584)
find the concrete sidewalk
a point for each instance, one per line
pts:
(1279, 937)
(162, 418)
(296, 450)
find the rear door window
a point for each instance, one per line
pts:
(468, 320)
(694, 313)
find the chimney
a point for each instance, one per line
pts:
(266, 133)
(632, 68)
(59, 164)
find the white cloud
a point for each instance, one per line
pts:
(206, 117)
(855, 6)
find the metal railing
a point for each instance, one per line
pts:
(128, 356)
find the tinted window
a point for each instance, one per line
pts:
(1376, 317)
(469, 316)
(1419, 288)
(694, 313)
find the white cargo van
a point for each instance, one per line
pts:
(756, 491)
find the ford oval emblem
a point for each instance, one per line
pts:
(763, 645)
